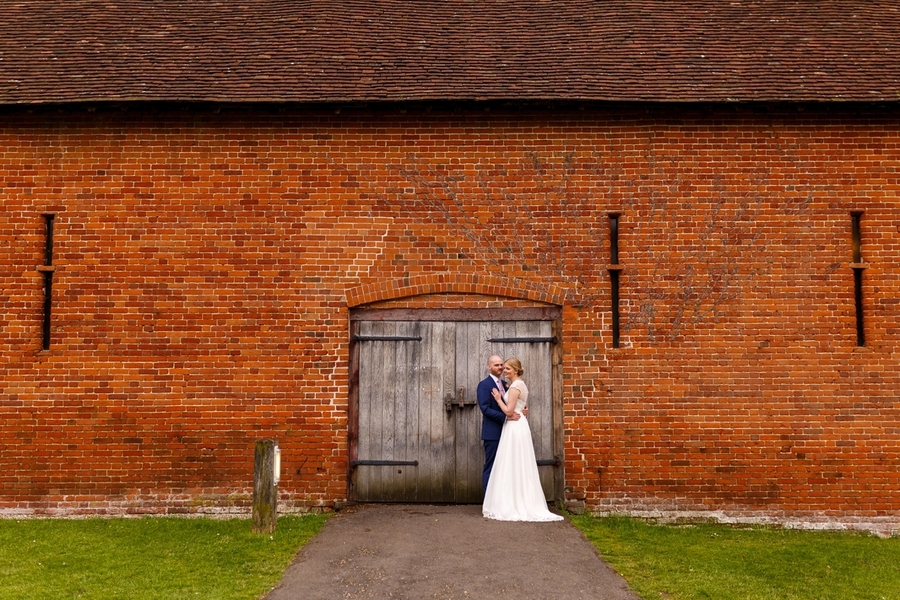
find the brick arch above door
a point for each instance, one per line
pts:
(437, 283)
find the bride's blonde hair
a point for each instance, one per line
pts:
(517, 365)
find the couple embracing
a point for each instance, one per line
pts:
(512, 487)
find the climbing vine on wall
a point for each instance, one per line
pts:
(545, 214)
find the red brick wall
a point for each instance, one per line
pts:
(205, 261)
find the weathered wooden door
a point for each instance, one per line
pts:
(417, 436)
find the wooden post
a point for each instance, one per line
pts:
(265, 490)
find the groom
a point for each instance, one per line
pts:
(492, 423)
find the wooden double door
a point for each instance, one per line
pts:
(415, 425)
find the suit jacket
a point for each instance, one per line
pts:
(492, 423)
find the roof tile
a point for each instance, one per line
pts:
(390, 50)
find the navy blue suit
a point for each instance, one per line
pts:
(491, 425)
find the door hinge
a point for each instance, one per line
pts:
(524, 340)
(387, 338)
(383, 463)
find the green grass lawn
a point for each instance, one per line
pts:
(172, 558)
(146, 559)
(731, 563)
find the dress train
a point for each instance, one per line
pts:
(514, 489)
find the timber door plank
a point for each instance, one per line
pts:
(469, 449)
(445, 356)
(370, 433)
(404, 445)
(387, 420)
(413, 423)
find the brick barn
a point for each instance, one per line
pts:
(313, 221)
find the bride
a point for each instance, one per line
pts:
(514, 490)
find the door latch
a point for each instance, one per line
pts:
(460, 400)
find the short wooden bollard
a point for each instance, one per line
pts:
(265, 486)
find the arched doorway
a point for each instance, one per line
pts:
(415, 426)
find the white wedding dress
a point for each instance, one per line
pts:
(514, 490)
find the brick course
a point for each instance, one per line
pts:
(205, 260)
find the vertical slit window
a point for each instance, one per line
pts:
(858, 268)
(47, 272)
(614, 270)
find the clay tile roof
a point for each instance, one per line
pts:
(59, 51)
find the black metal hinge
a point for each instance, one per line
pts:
(524, 340)
(386, 338)
(383, 463)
